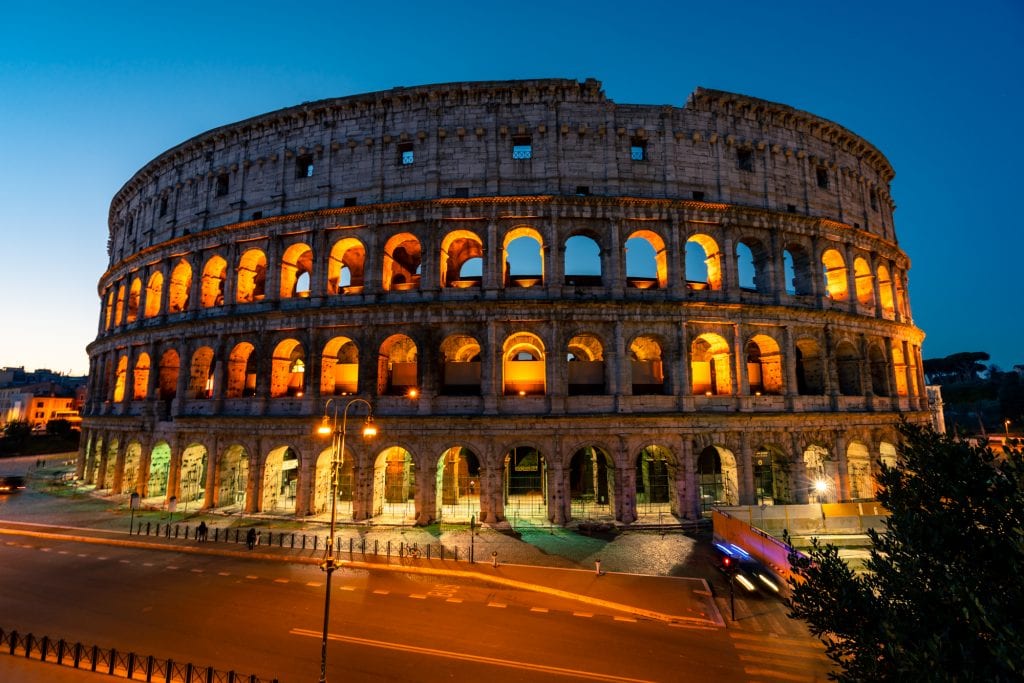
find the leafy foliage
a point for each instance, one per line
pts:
(942, 599)
(958, 367)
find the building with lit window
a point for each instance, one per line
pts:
(609, 311)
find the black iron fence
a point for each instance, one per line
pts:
(112, 662)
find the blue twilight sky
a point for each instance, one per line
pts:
(89, 92)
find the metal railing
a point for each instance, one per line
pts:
(112, 662)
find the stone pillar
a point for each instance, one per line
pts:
(625, 489)
(272, 288)
(843, 492)
(851, 278)
(194, 285)
(492, 262)
(490, 366)
(254, 480)
(212, 470)
(230, 274)
(675, 258)
(181, 396)
(686, 482)
(745, 466)
(616, 261)
(426, 493)
(119, 458)
(558, 496)
(799, 479)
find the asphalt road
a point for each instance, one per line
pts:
(266, 618)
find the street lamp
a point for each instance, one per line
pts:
(330, 563)
(1006, 424)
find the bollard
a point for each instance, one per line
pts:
(61, 646)
(236, 535)
(389, 549)
(375, 546)
(28, 645)
(186, 531)
(428, 551)
(362, 545)
(110, 664)
(188, 673)
(597, 567)
(147, 528)
(350, 539)
(494, 558)
(78, 654)
(216, 535)
(170, 668)
(304, 541)
(149, 667)
(95, 656)
(131, 665)
(44, 645)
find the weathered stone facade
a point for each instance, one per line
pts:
(470, 240)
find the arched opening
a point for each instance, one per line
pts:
(764, 366)
(394, 485)
(346, 484)
(280, 481)
(397, 366)
(879, 371)
(169, 366)
(582, 262)
(233, 479)
(525, 484)
(586, 365)
(771, 476)
(710, 372)
(402, 259)
(179, 288)
(296, 271)
(836, 286)
(288, 370)
(111, 465)
(192, 486)
(591, 484)
(822, 475)
(646, 262)
(154, 290)
(810, 368)
(864, 282)
(109, 314)
(858, 465)
(461, 260)
(523, 365)
(717, 478)
(121, 378)
(200, 384)
(345, 267)
(159, 468)
(703, 263)
(339, 368)
(241, 379)
(92, 470)
(798, 270)
(140, 381)
(523, 253)
(458, 485)
(848, 369)
(646, 368)
(132, 463)
(252, 277)
(885, 293)
(134, 297)
(655, 486)
(752, 264)
(461, 377)
(119, 306)
(211, 287)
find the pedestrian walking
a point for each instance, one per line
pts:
(202, 531)
(250, 538)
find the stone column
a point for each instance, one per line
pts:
(843, 493)
(272, 286)
(426, 493)
(617, 270)
(686, 482)
(254, 480)
(558, 498)
(745, 465)
(119, 458)
(800, 488)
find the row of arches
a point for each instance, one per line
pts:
(744, 262)
(715, 363)
(401, 483)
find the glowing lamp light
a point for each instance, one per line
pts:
(369, 429)
(821, 486)
(325, 427)
(413, 392)
(522, 393)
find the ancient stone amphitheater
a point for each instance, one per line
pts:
(558, 308)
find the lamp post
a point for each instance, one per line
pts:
(1006, 424)
(330, 563)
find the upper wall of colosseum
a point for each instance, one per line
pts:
(537, 137)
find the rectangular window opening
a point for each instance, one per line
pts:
(304, 166)
(582, 190)
(522, 147)
(822, 173)
(461, 192)
(222, 184)
(745, 160)
(405, 153)
(638, 149)
(791, 208)
(349, 201)
(163, 206)
(874, 201)
(698, 196)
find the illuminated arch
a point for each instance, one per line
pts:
(241, 379)
(864, 282)
(296, 271)
(646, 270)
(200, 383)
(345, 267)
(288, 369)
(134, 298)
(710, 370)
(339, 367)
(154, 292)
(523, 365)
(402, 258)
(461, 250)
(703, 263)
(140, 379)
(764, 365)
(523, 258)
(461, 375)
(647, 374)
(211, 287)
(836, 285)
(586, 365)
(180, 285)
(252, 277)
(397, 365)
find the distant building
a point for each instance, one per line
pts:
(40, 396)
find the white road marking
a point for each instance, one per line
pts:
(543, 610)
(585, 615)
(629, 619)
(416, 596)
(497, 604)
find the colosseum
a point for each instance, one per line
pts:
(556, 308)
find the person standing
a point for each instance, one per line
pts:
(250, 538)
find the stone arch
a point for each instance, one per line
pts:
(525, 483)
(402, 259)
(656, 492)
(879, 365)
(242, 363)
(251, 284)
(140, 377)
(345, 267)
(703, 263)
(339, 367)
(523, 365)
(281, 474)
(233, 478)
(647, 267)
(288, 369)
(864, 282)
(858, 465)
(461, 371)
(582, 262)
(586, 371)
(458, 485)
(154, 292)
(322, 484)
(462, 254)
(120, 378)
(797, 263)
(591, 474)
(810, 367)
(200, 383)
(179, 288)
(131, 477)
(764, 365)
(119, 306)
(752, 265)
(710, 372)
(397, 366)
(836, 286)
(394, 484)
(134, 299)
(772, 476)
(647, 374)
(296, 271)
(822, 474)
(717, 478)
(885, 293)
(159, 471)
(168, 379)
(109, 314)
(899, 364)
(192, 476)
(211, 286)
(523, 257)
(848, 369)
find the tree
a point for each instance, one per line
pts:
(942, 598)
(958, 367)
